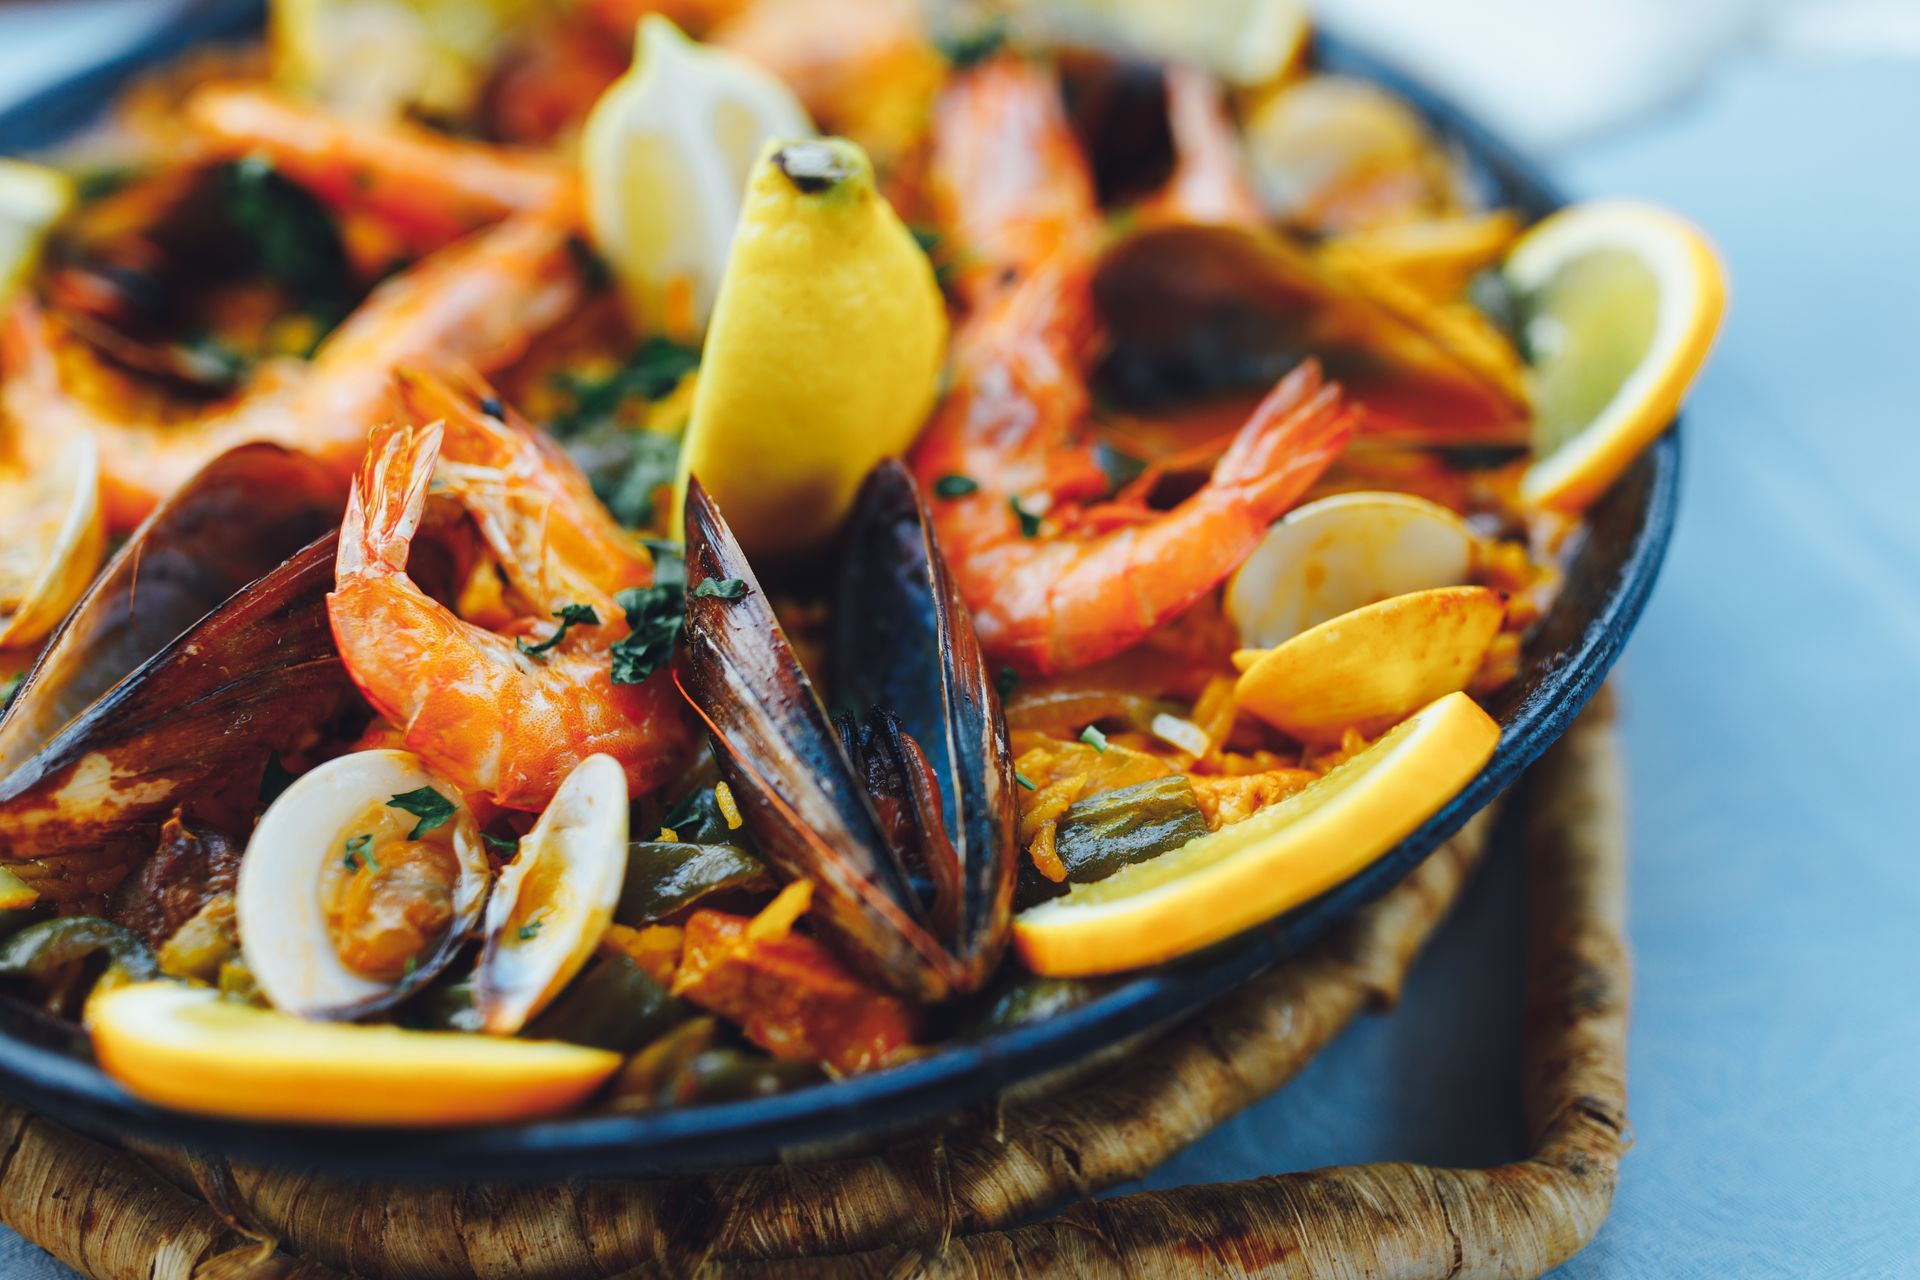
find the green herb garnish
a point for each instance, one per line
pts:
(955, 486)
(1025, 781)
(974, 44)
(719, 589)
(9, 689)
(501, 845)
(289, 237)
(360, 849)
(531, 929)
(570, 615)
(630, 483)
(654, 617)
(1029, 522)
(1092, 736)
(1006, 680)
(432, 808)
(654, 369)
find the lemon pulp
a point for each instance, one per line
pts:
(1586, 332)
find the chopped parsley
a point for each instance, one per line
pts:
(627, 464)
(955, 486)
(289, 237)
(654, 617)
(1029, 522)
(932, 242)
(360, 849)
(1025, 781)
(720, 589)
(9, 689)
(974, 44)
(531, 929)
(1006, 680)
(432, 808)
(654, 369)
(501, 845)
(631, 486)
(570, 615)
(1092, 736)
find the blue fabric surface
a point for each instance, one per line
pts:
(1771, 699)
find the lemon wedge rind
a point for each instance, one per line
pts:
(1691, 299)
(1249, 872)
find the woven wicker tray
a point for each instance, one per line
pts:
(953, 1204)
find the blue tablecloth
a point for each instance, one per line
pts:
(1772, 723)
(1771, 700)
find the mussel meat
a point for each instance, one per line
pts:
(900, 808)
(202, 646)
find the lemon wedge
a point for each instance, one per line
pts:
(1245, 43)
(379, 58)
(32, 198)
(53, 536)
(665, 157)
(185, 1047)
(1621, 302)
(1244, 874)
(1369, 668)
(825, 351)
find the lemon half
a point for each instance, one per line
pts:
(1621, 302)
(825, 351)
(1249, 872)
(185, 1047)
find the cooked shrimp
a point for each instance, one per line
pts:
(476, 303)
(1210, 182)
(1053, 584)
(429, 187)
(473, 702)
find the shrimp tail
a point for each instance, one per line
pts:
(384, 507)
(1291, 438)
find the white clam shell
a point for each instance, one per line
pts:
(277, 902)
(555, 900)
(1340, 554)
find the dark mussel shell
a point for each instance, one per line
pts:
(902, 811)
(202, 646)
(903, 643)
(1193, 310)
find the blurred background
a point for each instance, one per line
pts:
(1770, 699)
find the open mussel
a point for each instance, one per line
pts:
(1193, 310)
(900, 809)
(202, 646)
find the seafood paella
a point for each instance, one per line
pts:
(635, 553)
